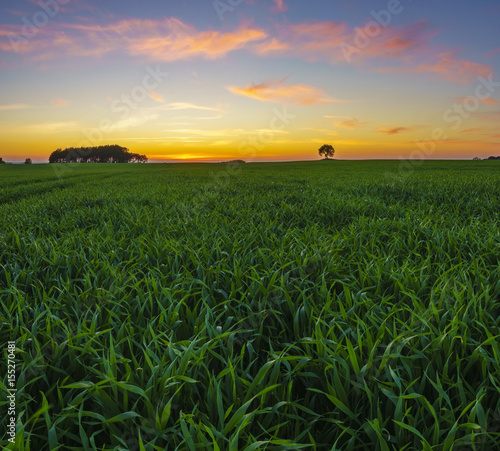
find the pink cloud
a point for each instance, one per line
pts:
(492, 53)
(319, 40)
(168, 39)
(277, 91)
(185, 42)
(396, 42)
(485, 100)
(15, 12)
(279, 6)
(336, 42)
(455, 69)
(60, 102)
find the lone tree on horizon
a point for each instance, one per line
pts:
(28, 161)
(327, 150)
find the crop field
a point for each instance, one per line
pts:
(330, 305)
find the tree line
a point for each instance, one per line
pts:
(101, 154)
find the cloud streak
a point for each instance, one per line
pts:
(155, 96)
(279, 6)
(328, 41)
(455, 69)
(169, 39)
(349, 124)
(392, 130)
(59, 102)
(484, 100)
(277, 91)
(15, 106)
(190, 106)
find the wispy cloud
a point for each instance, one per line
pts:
(15, 12)
(455, 69)
(134, 121)
(270, 46)
(473, 130)
(180, 41)
(448, 67)
(408, 48)
(189, 106)
(347, 122)
(488, 101)
(318, 40)
(155, 96)
(169, 39)
(59, 102)
(193, 118)
(277, 91)
(485, 100)
(221, 143)
(324, 131)
(492, 53)
(279, 6)
(51, 127)
(15, 106)
(328, 41)
(392, 130)
(350, 124)
(222, 133)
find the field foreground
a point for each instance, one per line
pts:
(318, 305)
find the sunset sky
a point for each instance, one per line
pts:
(254, 79)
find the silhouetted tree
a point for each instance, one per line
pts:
(1, 161)
(27, 161)
(476, 158)
(327, 150)
(101, 154)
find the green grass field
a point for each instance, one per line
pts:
(318, 305)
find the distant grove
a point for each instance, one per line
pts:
(101, 154)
